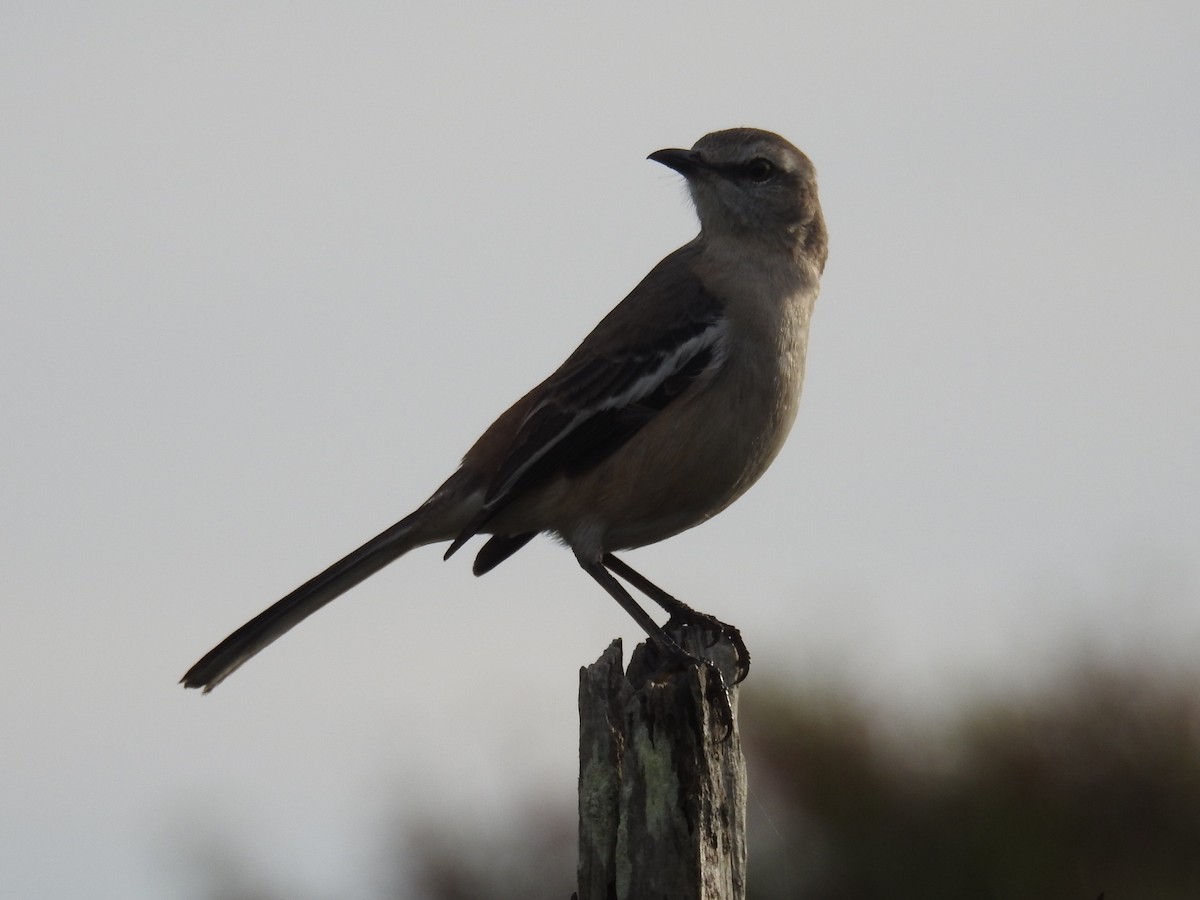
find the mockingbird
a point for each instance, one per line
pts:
(666, 413)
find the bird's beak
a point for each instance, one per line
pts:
(685, 162)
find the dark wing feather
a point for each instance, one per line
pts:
(594, 404)
(498, 549)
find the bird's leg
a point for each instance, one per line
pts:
(716, 682)
(683, 616)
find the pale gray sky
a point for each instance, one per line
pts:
(267, 269)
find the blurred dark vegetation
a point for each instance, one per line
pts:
(1090, 786)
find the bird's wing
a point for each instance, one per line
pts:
(607, 391)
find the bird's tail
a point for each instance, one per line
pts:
(301, 603)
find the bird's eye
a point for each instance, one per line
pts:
(760, 170)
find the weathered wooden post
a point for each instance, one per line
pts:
(662, 798)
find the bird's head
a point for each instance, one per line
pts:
(752, 184)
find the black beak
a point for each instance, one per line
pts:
(685, 162)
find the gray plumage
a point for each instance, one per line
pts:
(665, 414)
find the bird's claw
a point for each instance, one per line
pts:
(711, 630)
(718, 697)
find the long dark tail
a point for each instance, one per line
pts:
(301, 603)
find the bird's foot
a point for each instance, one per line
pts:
(709, 631)
(693, 635)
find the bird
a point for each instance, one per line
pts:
(666, 413)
